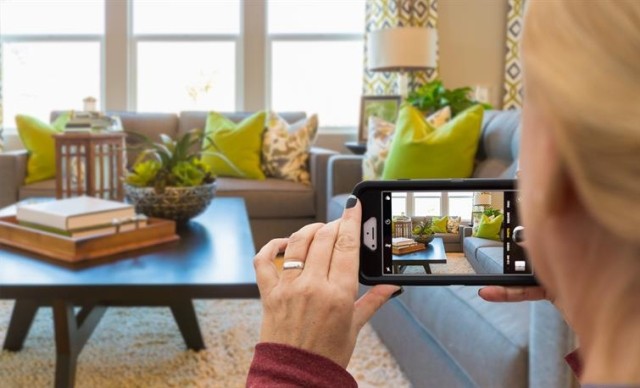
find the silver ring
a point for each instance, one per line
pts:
(293, 264)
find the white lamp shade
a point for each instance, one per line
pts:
(402, 49)
(482, 199)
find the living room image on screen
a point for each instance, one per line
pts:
(451, 233)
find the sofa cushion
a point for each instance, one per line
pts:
(270, 198)
(335, 207)
(491, 259)
(285, 148)
(197, 119)
(499, 331)
(418, 150)
(39, 189)
(499, 144)
(240, 143)
(37, 137)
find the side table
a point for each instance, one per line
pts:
(356, 147)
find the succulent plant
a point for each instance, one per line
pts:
(173, 163)
(423, 228)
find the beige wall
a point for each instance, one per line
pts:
(472, 36)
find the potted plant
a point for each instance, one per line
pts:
(423, 232)
(169, 179)
(433, 96)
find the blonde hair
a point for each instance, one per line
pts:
(582, 63)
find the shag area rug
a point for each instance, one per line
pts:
(142, 347)
(457, 263)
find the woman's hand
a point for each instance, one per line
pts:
(514, 294)
(315, 308)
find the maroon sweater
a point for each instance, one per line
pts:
(277, 365)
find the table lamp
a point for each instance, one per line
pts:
(402, 49)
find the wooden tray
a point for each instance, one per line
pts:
(69, 249)
(410, 249)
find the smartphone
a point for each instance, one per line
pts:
(442, 232)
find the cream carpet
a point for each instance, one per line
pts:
(457, 263)
(142, 347)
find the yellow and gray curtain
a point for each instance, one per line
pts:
(397, 13)
(513, 68)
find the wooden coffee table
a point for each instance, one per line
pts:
(213, 259)
(433, 254)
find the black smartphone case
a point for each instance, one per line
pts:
(436, 185)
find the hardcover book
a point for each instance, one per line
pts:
(75, 213)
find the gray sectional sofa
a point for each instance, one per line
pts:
(276, 207)
(449, 336)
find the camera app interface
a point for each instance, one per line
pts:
(452, 233)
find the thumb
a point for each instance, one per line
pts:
(370, 302)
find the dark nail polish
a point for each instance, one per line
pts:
(351, 202)
(397, 293)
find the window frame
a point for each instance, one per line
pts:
(118, 56)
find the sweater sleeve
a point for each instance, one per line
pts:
(278, 365)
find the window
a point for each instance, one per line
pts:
(399, 204)
(186, 54)
(427, 204)
(175, 55)
(316, 62)
(460, 204)
(49, 60)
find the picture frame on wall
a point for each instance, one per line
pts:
(384, 107)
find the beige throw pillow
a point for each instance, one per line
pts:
(285, 148)
(379, 141)
(453, 224)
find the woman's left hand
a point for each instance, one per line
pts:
(315, 308)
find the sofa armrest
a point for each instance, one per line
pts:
(345, 171)
(465, 231)
(550, 340)
(318, 166)
(13, 169)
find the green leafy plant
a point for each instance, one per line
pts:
(491, 212)
(173, 163)
(423, 228)
(433, 96)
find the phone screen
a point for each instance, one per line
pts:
(455, 233)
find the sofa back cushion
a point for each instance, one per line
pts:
(198, 119)
(497, 155)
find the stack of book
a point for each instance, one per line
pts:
(87, 121)
(80, 217)
(401, 245)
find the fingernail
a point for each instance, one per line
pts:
(351, 202)
(397, 293)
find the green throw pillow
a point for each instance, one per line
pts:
(420, 151)
(439, 225)
(240, 143)
(37, 138)
(489, 227)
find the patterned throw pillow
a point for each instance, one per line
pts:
(453, 224)
(379, 142)
(285, 148)
(380, 135)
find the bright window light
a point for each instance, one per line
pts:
(318, 76)
(186, 17)
(176, 76)
(40, 17)
(37, 79)
(316, 16)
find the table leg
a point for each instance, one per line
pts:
(185, 316)
(72, 334)
(24, 311)
(427, 268)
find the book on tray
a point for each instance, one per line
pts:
(80, 216)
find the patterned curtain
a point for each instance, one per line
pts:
(397, 13)
(512, 66)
